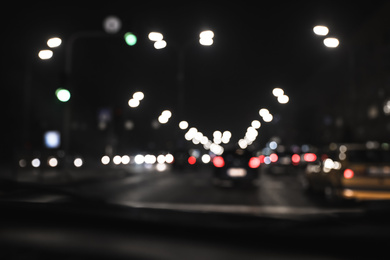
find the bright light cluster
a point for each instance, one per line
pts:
(51, 161)
(135, 100)
(164, 116)
(206, 38)
(330, 42)
(321, 30)
(157, 38)
(266, 115)
(51, 43)
(198, 137)
(279, 94)
(329, 164)
(138, 159)
(219, 137)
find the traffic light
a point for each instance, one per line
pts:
(130, 39)
(63, 95)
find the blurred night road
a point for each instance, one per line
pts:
(194, 190)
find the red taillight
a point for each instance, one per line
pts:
(218, 161)
(273, 157)
(348, 174)
(309, 157)
(295, 158)
(254, 162)
(261, 157)
(191, 160)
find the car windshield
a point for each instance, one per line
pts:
(210, 108)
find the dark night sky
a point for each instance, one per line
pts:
(256, 48)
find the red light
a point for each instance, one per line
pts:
(254, 162)
(273, 157)
(295, 158)
(261, 157)
(348, 174)
(309, 157)
(191, 160)
(218, 162)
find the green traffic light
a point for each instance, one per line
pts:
(130, 39)
(63, 95)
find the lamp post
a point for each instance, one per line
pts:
(205, 39)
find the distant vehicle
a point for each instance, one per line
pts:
(352, 171)
(291, 163)
(235, 167)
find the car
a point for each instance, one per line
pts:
(351, 172)
(236, 166)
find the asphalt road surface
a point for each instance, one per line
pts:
(193, 189)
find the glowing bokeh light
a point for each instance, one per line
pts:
(256, 124)
(183, 125)
(130, 39)
(36, 163)
(283, 99)
(191, 160)
(263, 112)
(155, 36)
(321, 30)
(218, 161)
(117, 160)
(62, 94)
(105, 160)
(78, 162)
(52, 162)
(54, 42)
(138, 95)
(133, 102)
(331, 42)
(45, 54)
(254, 162)
(160, 45)
(139, 159)
(348, 174)
(277, 92)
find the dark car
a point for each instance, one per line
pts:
(234, 167)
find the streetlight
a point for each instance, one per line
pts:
(164, 117)
(283, 99)
(321, 30)
(331, 42)
(157, 38)
(45, 54)
(54, 42)
(206, 38)
(277, 92)
(183, 125)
